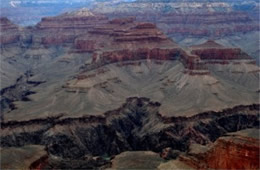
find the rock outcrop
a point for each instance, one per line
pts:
(65, 28)
(10, 32)
(228, 152)
(122, 34)
(210, 50)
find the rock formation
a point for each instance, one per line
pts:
(238, 151)
(210, 50)
(191, 21)
(187, 18)
(84, 86)
(9, 32)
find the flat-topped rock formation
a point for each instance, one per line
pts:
(211, 50)
(125, 33)
(65, 28)
(208, 44)
(228, 62)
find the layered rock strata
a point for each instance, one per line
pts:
(234, 151)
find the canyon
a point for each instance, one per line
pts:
(232, 23)
(86, 90)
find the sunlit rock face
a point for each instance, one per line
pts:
(238, 150)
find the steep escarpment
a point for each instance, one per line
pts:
(63, 29)
(137, 125)
(239, 150)
(10, 32)
(124, 33)
(214, 24)
(245, 148)
(213, 51)
(229, 62)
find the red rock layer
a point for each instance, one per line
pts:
(123, 34)
(193, 63)
(211, 50)
(206, 18)
(65, 28)
(238, 153)
(214, 24)
(70, 22)
(139, 54)
(221, 54)
(119, 40)
(122, 20)
(235, 152)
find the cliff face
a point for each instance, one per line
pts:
(221, 54)
(236, 153)
(9, 32)
(233, 61)
(65, 28)
(214, 25)
(139, 54)
(125, 33)
(228, 152)
(210, 50)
